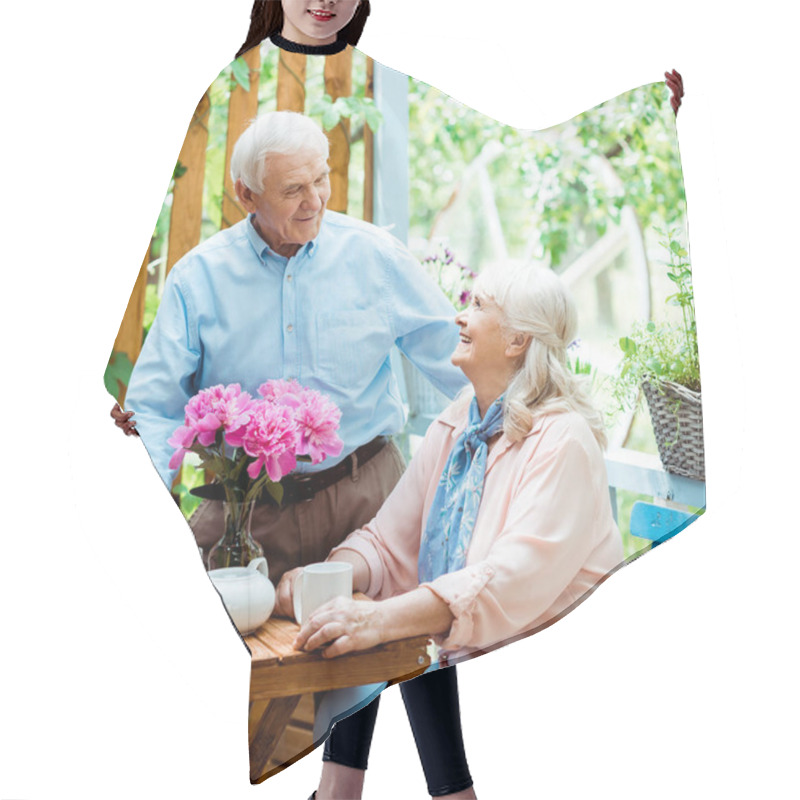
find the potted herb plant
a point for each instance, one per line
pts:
(661, 358)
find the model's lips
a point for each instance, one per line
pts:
(322, 16)
(465, 339)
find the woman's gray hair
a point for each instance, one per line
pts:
(535, 302)
(277, 132)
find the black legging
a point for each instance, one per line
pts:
(432, 706)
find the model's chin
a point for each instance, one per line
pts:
(321, 32)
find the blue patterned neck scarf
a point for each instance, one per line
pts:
(454, 510)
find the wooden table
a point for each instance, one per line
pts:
(280, 675)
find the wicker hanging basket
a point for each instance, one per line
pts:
(677, 417)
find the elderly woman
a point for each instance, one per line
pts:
(502, 521)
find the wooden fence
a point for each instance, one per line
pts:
(187, 200)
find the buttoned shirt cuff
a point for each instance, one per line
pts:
(370, 555)
(460, 590)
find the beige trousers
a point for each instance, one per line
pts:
(306, 532)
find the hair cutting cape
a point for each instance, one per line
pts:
(599, 199)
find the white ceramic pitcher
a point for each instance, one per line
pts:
(247, 593)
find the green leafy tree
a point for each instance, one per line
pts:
(547, 186)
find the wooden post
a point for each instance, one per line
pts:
(187, 196)
(291, 92)
(186, 216)
(242, 108)
(129, 338)
(339, 83)
(369, 150)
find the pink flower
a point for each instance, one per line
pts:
(317, 418)
(225, 407)
(270, 437)
(276, 389)
(268, 433)
(182, 439)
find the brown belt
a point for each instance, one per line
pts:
(300, 488)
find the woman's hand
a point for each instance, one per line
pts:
(284, 593)
(124, 421)
(342, 626)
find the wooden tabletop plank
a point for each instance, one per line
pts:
(265, 645)
(274, 640)
(278, 670)
(282, 635)
(261, 647)
(310, 672)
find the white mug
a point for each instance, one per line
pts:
(319, 583)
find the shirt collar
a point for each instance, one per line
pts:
(263, 250)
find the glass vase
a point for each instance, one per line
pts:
(236, 548)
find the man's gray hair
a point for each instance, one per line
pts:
(277, 132)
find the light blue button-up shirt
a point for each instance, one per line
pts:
(233, 311)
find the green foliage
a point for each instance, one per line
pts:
(276, 491)
(636, 131)
(549, 185)
(355, 108)
(240, 74)
(191, 477)
(580, 367)
(662, 351)
(584, 369)
(151, 302)
(118, 373)
(214, 179)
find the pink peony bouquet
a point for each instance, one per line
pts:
(251, 443)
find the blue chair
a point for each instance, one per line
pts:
(658, 523)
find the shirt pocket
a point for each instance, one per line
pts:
(351, 347)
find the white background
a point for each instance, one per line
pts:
(121, 675)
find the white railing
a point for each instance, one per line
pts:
(642, 473)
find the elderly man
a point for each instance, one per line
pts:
(295, 291)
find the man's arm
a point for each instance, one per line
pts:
(163, 378)
(424, 321)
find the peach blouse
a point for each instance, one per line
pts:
(544, 537)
